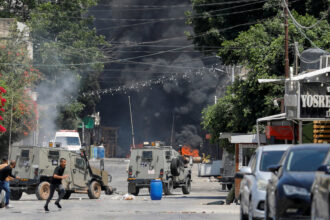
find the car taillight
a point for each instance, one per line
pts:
(161, 173)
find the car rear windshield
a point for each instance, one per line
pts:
(269, 158)
(67, 141)
(305, 159)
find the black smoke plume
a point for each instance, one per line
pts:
(190, 82)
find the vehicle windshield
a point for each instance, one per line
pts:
(68, 141)
(305, 160)
(269, 158)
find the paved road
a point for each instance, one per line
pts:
(202, 203)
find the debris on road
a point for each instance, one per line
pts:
(214, 203)
(128, 197)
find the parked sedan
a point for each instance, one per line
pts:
(255, 179)
(288, 190)
(321, 192)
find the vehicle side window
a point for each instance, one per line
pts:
(80, 163)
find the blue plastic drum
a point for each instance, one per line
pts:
(156, 190)
(100, 152)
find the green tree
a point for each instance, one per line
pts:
(215, 21)
(18, 77)
(66, 47)
(260, 50)
(19, 9)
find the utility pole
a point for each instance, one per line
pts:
(130, 112)
(296, 57)
(300, 124)
(172, 131)
(286, 26)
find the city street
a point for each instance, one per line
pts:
(203, 203)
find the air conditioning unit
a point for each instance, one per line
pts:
(324, 61)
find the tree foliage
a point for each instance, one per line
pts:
(18, 77)
(19, 9)
(66, 47)
(215, 21)
(260, 50)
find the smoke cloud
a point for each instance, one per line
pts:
(50, 97)
(190, 80)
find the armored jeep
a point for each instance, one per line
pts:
(35, 167)
(161, 162)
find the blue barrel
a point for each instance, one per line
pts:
(156, 190)
(100, 152)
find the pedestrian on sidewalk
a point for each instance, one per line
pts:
(56, 184)
(5, 176)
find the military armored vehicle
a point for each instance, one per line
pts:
(35, 167)
(159, 162)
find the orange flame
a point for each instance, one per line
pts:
(188, 151)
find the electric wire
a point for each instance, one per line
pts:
(301, 26)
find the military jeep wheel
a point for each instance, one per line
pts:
(67, 195)
(136, 192)
(94, 191)
(16, 195)
(169, 187)
(108, 190)
(43, 190)
(187, 187)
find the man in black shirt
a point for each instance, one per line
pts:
(5, 174)
(56, 183)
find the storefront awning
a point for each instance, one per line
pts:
(272, 118)
(311, 74)
(247, 139)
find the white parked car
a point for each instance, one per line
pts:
(68, 139)
(255, 179)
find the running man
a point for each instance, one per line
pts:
(5, 176)
(56, 184)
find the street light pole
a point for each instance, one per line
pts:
(131, 116)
